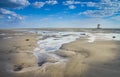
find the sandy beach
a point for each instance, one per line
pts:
(35, 54)
(59, 38)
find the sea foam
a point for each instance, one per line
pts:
(55, 40)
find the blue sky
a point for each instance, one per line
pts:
(59, 13)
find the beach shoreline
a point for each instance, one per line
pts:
(75, 58)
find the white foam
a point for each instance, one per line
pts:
(51, 44)
(7, 37)
(103, 36)
(56, 39)
(54, 43)
(108, 36)
(91, 37)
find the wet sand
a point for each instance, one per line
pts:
(98, 59)
(83, 59)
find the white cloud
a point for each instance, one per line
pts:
(106, 0)
(21, 2)
(14, 3)
(51, 2)
(38, 4)
(90, 4)
(98, 13)
(71, 2)
(104, 8)
(41, 4)
(72, 7)
(10, 14)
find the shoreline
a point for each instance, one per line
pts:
(48, 49)
(78, 57)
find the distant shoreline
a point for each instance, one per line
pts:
(50, 28)
(91, 30)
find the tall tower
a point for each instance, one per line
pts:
(98, 26)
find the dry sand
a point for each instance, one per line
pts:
(16, 52)
(97, 59)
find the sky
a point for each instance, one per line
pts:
(59, 13)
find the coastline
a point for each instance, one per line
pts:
(74, 59)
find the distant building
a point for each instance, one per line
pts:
(98, 26)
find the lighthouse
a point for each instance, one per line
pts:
(98, 26)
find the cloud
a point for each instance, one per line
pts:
(98, 13)
(9, 14)
(90, 4)
(41, 4)
(38, 4)
(51, 2)
(13, 3)
(104, 8)
(71, 2)
(72, 7)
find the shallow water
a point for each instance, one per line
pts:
(53, 42)
(56, 39)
